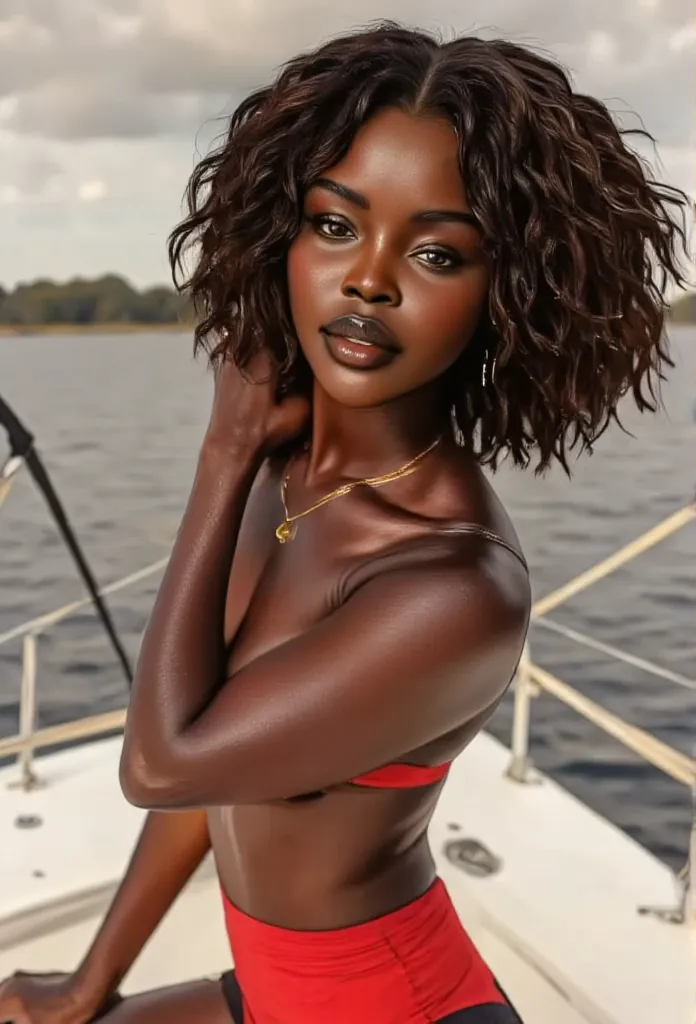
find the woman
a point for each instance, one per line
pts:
(412, 259)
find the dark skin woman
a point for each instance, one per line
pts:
(412, 259)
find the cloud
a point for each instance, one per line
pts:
(107, 68)
(93, 190)
(103, 102)
(684, 38)
(38, 173)
(601, 46)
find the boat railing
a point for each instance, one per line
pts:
(531, 680)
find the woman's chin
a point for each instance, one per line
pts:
(357, 390)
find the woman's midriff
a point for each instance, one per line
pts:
(325, 864)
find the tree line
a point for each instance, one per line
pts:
(105, 300)
(112, 300)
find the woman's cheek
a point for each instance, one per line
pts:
(456, 315)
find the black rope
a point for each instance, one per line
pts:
(22, 446)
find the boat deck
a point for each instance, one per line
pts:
(557, 919)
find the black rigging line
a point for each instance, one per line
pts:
(22, 446)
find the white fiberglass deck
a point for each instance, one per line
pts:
(558, 923)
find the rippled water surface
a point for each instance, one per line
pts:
(118, 420)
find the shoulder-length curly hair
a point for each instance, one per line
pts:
(581, 240)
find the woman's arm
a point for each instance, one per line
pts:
(168, 851)
(412, 654)
(409, 657)
(170, 848)
(183, 654)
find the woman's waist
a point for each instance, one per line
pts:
(368, 944)
(414, 963)
(317, 874)
(317, 893)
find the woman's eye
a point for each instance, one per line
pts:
(331, 227)
(438, 259)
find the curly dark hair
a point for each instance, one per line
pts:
(582, 241)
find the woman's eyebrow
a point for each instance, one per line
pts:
(461, 216)
(427, 216)
(343, 191)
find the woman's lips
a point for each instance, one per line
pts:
(357, 355)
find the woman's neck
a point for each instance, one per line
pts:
(351, 443)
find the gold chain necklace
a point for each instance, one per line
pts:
(286, 531)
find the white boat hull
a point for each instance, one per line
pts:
(558, 921)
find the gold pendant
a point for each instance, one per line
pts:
(285, 532)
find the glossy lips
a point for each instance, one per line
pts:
(359, 342)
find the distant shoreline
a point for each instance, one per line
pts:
(34, 330)
(46, 308)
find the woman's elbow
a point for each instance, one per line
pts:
(143, 784)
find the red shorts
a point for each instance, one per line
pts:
(415, 965)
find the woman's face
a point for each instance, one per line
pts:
(386, 277)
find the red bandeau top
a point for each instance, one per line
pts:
(403, 776)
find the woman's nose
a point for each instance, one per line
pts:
(369, 279)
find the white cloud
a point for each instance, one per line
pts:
(102, 101)
(91, 191)
(10, 194)
(8, 107)
(127, 26)
(98, 67)
(684, 38)
(601, 46)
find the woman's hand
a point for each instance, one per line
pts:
(247, 415)
(48, 999)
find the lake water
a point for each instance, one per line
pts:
(118, 420)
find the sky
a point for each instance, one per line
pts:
(105, 104)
